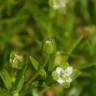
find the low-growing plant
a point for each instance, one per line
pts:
(47, 47)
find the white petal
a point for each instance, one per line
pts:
(48, 42)
(59, 70)
(18, 57)
(60, 80)
(55, 6)
(69, 70)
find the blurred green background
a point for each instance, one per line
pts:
(26, 24)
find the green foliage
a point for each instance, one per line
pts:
(6, 79)
(39, 36)
(4, 92)
(34, 62)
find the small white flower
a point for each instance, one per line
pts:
(16, 58)
(59, 3)
(56, 5)
(64, 75)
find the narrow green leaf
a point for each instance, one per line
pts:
(20, 84)
(6, 79)
(34, 63)
(20, 79)
(84, 10)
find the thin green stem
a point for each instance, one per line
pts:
(74, 47)
(28, 85)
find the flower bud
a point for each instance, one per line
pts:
(13, 79)
(49, 46)
(16, 94)
(43, 73)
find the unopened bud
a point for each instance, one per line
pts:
(49, 46)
